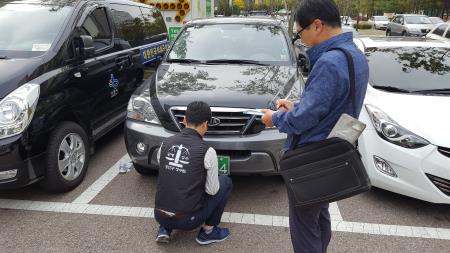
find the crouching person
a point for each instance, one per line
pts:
(190, 194)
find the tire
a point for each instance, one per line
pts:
(146, 171)
(388, 33)
(404, 34)
(67, 158)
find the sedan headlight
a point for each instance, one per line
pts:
(17, 110)
(140, 108)
(392, 132)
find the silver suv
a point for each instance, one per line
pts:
(409, 25)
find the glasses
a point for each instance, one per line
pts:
(299, 33)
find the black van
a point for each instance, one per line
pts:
(67, 71)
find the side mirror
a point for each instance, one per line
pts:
(86, 48)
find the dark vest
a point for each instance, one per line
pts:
(182, 173)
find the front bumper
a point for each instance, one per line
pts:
(410, 165)
(14, 156)
(255, 154)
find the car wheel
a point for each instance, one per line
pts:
(145, 171)
(404, 34)
(388, 33)
(67, 158)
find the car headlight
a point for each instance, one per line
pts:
(392, 132)
(140, 108)
(17, 110)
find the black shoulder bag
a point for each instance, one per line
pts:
(327, 170)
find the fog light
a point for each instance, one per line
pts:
(141, 148)
(383, 166)
(8, 174)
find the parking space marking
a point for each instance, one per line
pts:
(337, 225)
(89, 194)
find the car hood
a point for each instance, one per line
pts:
(382, 22)
(238, 86)
(15, 72)
(424, 115)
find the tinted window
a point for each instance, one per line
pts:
(97, 26)
(129, 23)
(410, 68)
(448, 34)
(440, 30)
(33, 36)
(154, 26)
(263, 43)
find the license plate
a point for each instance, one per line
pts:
(224, 165)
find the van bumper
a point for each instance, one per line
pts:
(17, 168)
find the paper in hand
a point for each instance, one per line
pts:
(254, 112)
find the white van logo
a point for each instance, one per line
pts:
(178, 155)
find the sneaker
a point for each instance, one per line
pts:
(163, 235)
(216, 235)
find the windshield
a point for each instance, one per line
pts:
(410, 68)
(418, 20)
(381, 19)
(247, 42)
(29, 30)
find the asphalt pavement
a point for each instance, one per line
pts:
(111, 212)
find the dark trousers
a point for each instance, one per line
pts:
(210, 214)
(310, 228)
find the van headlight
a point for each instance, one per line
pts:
(17, 110)
(392, 132)
(140, 108)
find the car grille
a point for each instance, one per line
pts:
(232, 121)
(441, 183)
(425, 30)
(444, 151)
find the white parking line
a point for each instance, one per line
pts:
(228, 217)
(89, 194)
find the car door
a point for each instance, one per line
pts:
(97, 77)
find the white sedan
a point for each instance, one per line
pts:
(440, 32)
(406, 145)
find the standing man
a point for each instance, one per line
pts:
(190, 194)
(325, 99)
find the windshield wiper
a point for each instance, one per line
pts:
(391, 89)
(232, 61)
(3, 57)
(184, 60)
(433, 91)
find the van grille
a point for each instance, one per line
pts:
(441, 183)
(444, 151)
(226, 121)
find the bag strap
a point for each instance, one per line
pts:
(352, 79)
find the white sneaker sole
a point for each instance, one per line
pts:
(210, 241)
(162, 239)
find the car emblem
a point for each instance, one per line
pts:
(214, 122)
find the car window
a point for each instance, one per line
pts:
(129, 24)
(440, 30)
(418, 20)
(448, 34)
(97, 26)
(381, 19)
(256, 42)
(154, 26)
(410, 68)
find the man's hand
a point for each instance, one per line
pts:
(284, 105)
(267, 117)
